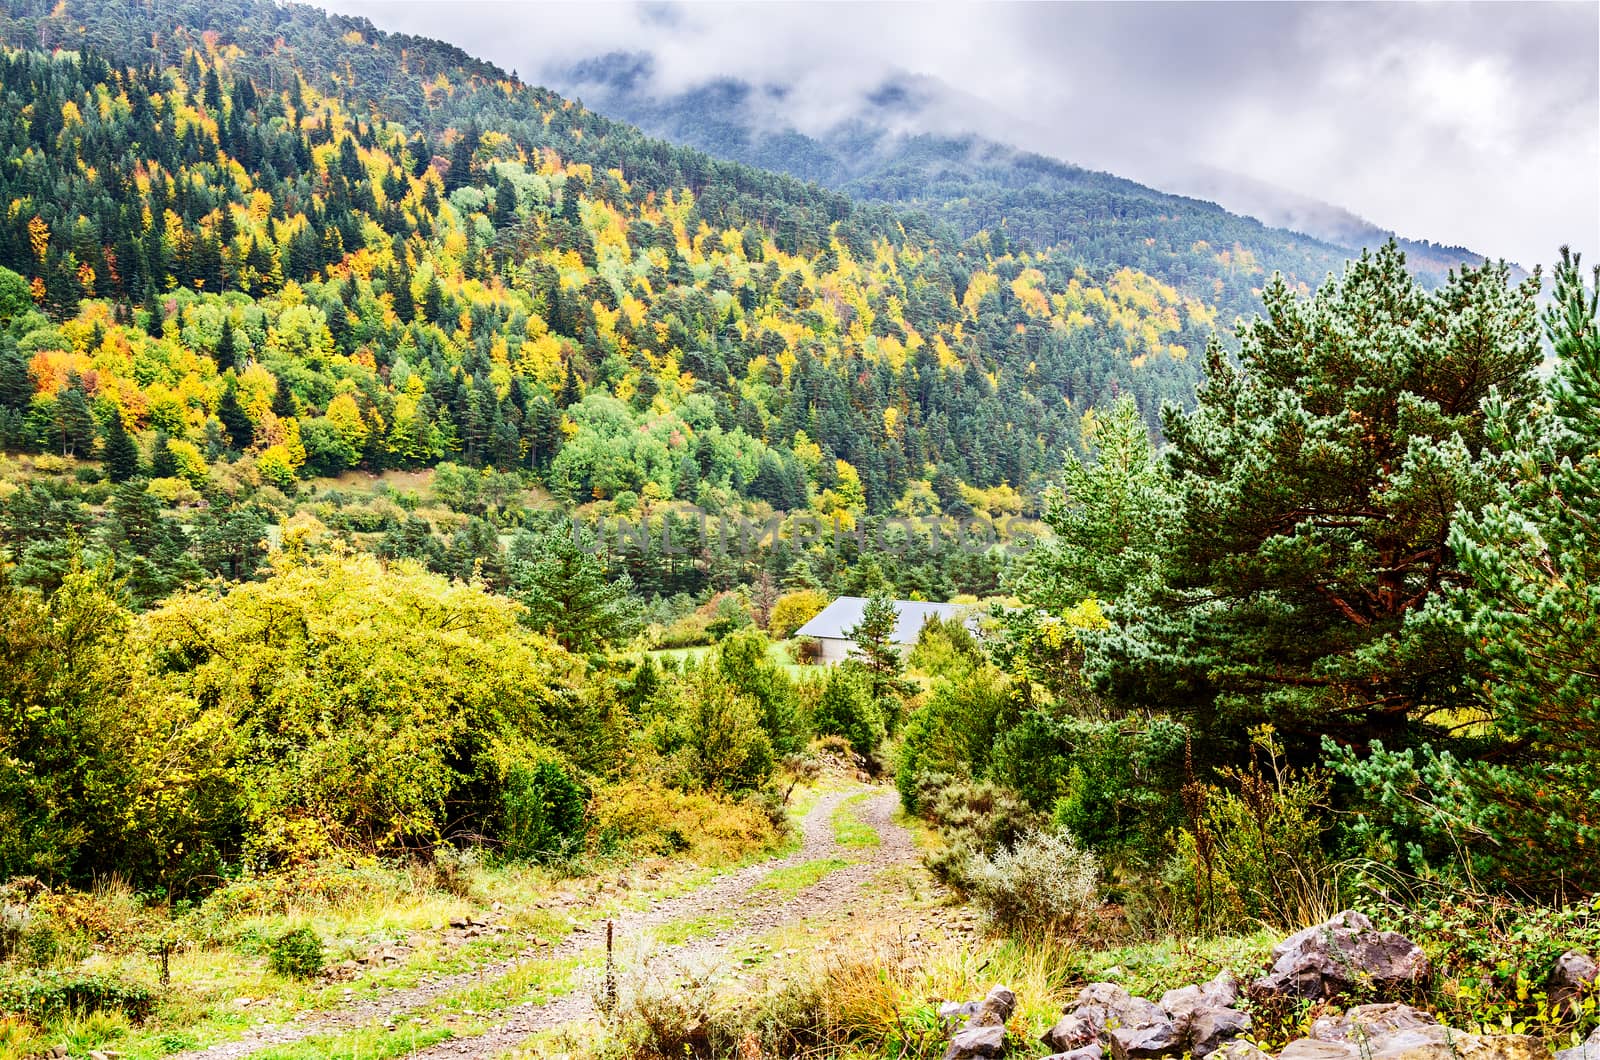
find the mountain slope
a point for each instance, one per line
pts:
(291, 243)
(975, 183)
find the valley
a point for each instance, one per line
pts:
(478, 579)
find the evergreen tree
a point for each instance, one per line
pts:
(241, 432)
(1111, 517)
(75, 424)
(227, 346)
(876, 649)
(571, 389)
(162, 463)
(1521, 803)
(121, 454)
(16, 380)
(283, 400)
(564, 587)
(1317, 482)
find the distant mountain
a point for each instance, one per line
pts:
(1282, 208)
(974, 183)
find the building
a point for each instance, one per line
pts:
(832, 625)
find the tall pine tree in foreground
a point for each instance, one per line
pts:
(1524, 809)
(1318, 481)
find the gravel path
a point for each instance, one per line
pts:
(756, 911)
(737, 893)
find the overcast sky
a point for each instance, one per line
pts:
(1473, 124)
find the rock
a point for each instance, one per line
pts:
(1220, 992)
(985, 1032)
(1072, 1033)
(1147, 1042)
(1107, 1005)
(1208, 1028)
(1091, 1051)
(1443, 1043)
(981, 1041)
(1422, 1042)
(958, 1011)
(1367, 1023)
(996, 1010)
(1336, 958)
(1309, 1049)
(1131, 1027)
(1239, 1050)
(1573, 977)
(1589, 1049)
(1204, 1013)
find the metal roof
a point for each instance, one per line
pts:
(836, 620)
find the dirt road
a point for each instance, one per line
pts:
(746, 899)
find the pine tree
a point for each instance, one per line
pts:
(241, 432)
(1522, 806)
(571, 389)
(283, 401)
(162, 463)
(558, 577)
(875, 647)
(1111, 517)
(227, 346)
(1316, 483)
(121, 454)
(75, 422)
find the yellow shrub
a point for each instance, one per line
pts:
(793, 610)
(709, 829)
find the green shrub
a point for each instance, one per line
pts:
(544, 809)
(847, 707)
(43, 996)
(455, 870)
(1253, 851)
(296, 954)
(1116, 795)
(954, 729)
(976, 820)
(1044, 882)
(1491, 954)
(743, 659)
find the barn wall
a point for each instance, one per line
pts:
(834, 650)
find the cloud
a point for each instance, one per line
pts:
(1468, 123)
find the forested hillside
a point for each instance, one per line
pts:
(377, 252)
(975, 184)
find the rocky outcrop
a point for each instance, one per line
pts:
(1346, 955)
(1206, 1021)
(1426, 1042)
(1366, 1022)
(1194, 1019)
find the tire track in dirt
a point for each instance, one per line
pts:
(756, 914)
(718, 896)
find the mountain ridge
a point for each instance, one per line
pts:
(874, 155)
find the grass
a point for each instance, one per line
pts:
(778, 651)
(796, 878)
(849, 830)
(200, 1007)
(358, 908)
(677, 932)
